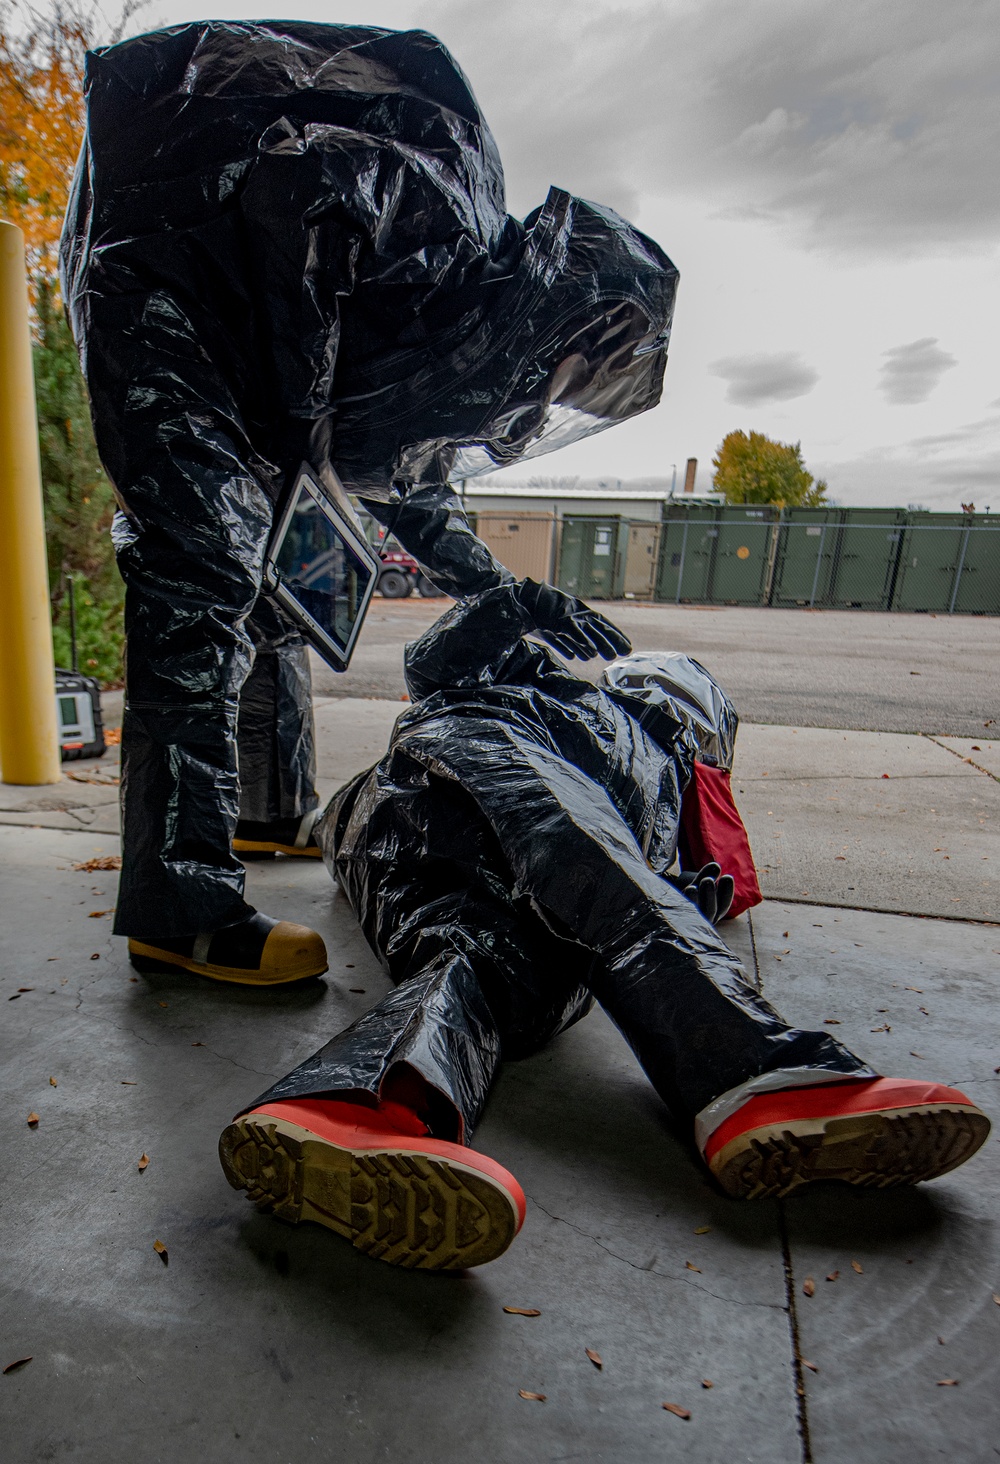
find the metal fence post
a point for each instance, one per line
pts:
(29, 741)
(958, 571)
(819, 561)
(680, 568)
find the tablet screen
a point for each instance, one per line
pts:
(322, 567)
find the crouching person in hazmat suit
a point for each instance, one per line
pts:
(288, 243)
(508, 860)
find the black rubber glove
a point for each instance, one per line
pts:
(568, 625)
(708, 888)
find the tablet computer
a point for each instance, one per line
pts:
(320, 568)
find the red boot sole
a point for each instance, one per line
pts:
(415, 1202)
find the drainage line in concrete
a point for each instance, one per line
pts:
(801, 1410)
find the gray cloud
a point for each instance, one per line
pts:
(911, 372)
(868, 128)
(765, 377)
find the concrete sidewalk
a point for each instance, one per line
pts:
(263, 1342)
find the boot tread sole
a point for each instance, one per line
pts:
(410, 1209)
(869, 1150)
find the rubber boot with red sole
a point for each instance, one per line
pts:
(873, 1133)
(377, 1178)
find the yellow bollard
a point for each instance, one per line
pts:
(29, 740)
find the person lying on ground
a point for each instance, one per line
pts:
(509, 861)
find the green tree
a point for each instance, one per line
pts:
(79, 502)
(753, 468)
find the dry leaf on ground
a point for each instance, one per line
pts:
(809, 1287)
(95, 956)
(676, 1410)
(857, 1266)
(143, 1163)
(532, 1397)
(996, 1298)
(810, 1365)
(707, 1383)
(162, 1003)
(832, 1021)
(33, 1120)
(106, 861)
(522, 1311)
(947, 1383)
(703, 1229)
(130, 1082)
(692, 1267)
(595, 1357)
(97, 914)
(833, 1276)
(53, 1083)
(21, 1361)
(161, 1250)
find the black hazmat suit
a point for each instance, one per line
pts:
(289, 242)
(507, 860)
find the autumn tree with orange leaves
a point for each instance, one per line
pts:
(41, 127)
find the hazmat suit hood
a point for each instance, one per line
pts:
(327, 205)
(679, 686)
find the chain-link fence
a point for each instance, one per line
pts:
(846, 559)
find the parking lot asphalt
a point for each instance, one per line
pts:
(801, 668)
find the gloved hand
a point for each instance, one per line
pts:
(708, 888)
(568, 625)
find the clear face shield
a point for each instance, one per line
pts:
(592, 371)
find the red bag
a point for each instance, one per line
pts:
(712, 830)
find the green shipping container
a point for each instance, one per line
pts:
(868, 550)
(592, 557)
(686, 546)
(978, 589)
(805, 556)
(741, 555)
(929, 561)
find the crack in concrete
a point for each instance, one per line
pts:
(220, 1055)
(801, 1409)
(651, 1270)
(961, 756)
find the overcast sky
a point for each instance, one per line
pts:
(824, 175)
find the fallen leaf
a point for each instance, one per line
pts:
(522, 1311)
(707, 1383)
(15, 997)
(840, 858)
(25, 988)
(161, 1251)
(996, 1298)
(884, 1028)
(358, 990)
(95, 956)
(885, 775)
(920, 1055)
(918, 989)
(703, 1229)
(857, 1266)
(810, 1365)
(941, 1341)
(924, 1010)
(691, 1267)
(143, 1163)
(97, 914)
(677, 1410)
(532, 1397)
(809, 1287)
(53, 1083)
(784, 935)
(112, 736)
(130, 1082)
(106, 861)
(161, 1003)
(197, 1044)
(974, 748)
(21, 1362)
(833, 1276)
(947, 1383)
(595, 1357)
(831, 1021)
(33, 1120)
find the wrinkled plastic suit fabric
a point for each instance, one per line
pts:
(289, 242)
(685, 691)
(506, 860)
